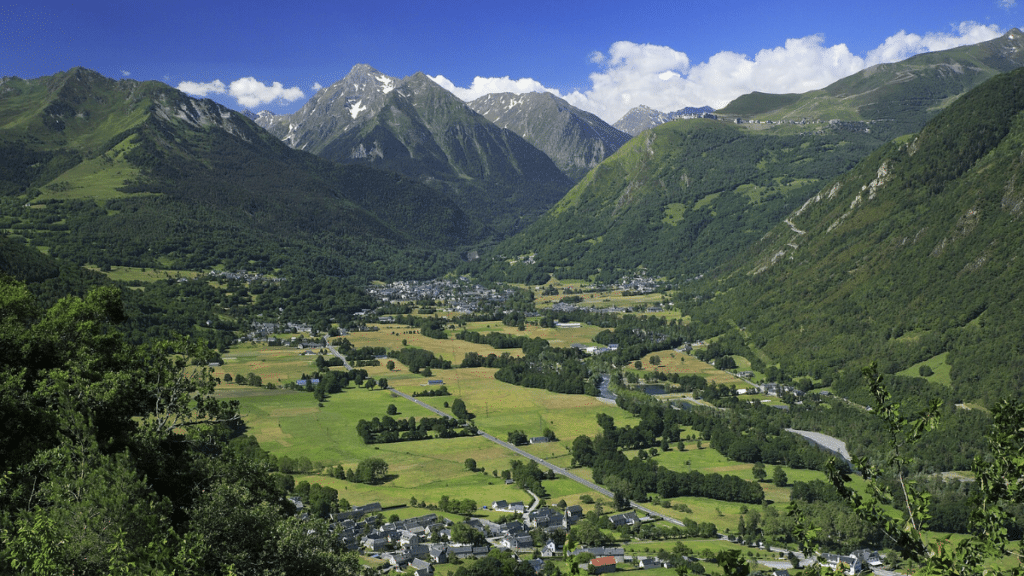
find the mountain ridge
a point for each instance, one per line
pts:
(912, 254)
(122, 172)
(415, 127)
(644, 117)
(904, 94)
(575, 139)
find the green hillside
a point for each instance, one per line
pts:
(897, 98)
(126, 173)
(913, 254)
(683, 198)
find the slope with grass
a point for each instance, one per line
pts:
(138, 174)
(912, 254)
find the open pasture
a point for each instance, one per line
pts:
(672, 362)
(501, 408)
(557, 337)
(131, 274)
(599, 299)
(275, 364)
(390, 336)
(290, 423)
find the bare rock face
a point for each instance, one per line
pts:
(576, 140)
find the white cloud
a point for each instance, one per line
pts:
(316, 87)
(125, 73)
(660, 77)
(902, 45)
(483, 86)
(249, 92)
(202, 89)
(1006, 4)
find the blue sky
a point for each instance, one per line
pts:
(602, 56)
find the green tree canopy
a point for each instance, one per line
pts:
(115, 457)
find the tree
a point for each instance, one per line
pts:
(392, 410)
(732, 563)
(463, 533)
(518, 438)
(726, 363)
(121, 459)
(621, 501)
(779, 477)
(656, 360)
(459, 409)
(371, 471)
(390, 365)
(470, 464)
(759, 472)
(999, 477)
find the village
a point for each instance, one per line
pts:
(530, 533)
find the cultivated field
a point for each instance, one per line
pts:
(291, 423)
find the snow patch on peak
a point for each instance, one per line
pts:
(386, 84)
(356, 109)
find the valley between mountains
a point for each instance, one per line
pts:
(397, 331)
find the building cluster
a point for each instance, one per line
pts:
(264, 331)
(458, 295)
(768, 388)
(639, 283)
(595, 350)
(242, 275)
(417, 544)
(567, 307)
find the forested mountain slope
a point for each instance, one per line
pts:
(915, 252)
(682, 198)
(122, 172)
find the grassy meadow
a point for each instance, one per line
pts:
(291, 423)
(134, 274)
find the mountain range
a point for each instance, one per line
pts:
(136, 173)
(682, 198)
(888, 233)
(414, 127)
(898, 98)
(912, 256)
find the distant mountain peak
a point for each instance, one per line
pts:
(644, 117)
(575, 139)
(415, 127)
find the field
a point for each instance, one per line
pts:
(601, 299)
(132, 274)
(939, 366)
(96, 178)
(291, 423)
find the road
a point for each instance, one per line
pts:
(553, 467)
(338, 354)
(604, 491)
(829, 443)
